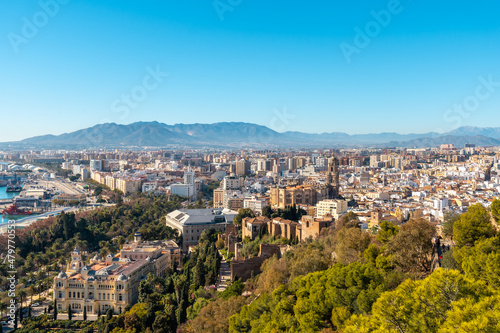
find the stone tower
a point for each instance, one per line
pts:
(332, 178)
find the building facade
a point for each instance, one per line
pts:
(191, 222)
(113, 282)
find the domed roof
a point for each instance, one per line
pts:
(76, 251)
(137, 233)
(62, 275)
(121, 277)
(96, 258)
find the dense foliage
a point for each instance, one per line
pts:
(166, 303)
(346, 280)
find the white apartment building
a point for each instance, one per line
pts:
(334, 207)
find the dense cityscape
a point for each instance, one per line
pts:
(233, 166)
(231, 221)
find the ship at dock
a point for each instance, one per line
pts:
(15, 211)
(14, 188)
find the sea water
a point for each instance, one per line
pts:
(7, 195)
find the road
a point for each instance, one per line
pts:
(60, 185)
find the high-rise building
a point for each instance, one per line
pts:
(242, 167)
(232, 182)
(189, 176)
(95, 165)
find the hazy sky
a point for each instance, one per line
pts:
(312, 66)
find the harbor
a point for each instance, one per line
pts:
(5, 201)
(26, 199)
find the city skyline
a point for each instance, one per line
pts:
(322, 68)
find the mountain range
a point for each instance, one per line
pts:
(239, 135)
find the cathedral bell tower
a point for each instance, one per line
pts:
(332, 178)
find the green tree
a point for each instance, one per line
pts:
(472, 226)
(84, 312)
(349, 220)
(267, 211)
(412, 247)
(469, 316)
(351, 244)
(495, 209)
(215, 316)
(70, 313)
(55, 309)
(418, 306)
(482, 261)
(242, 213)
(449, 220)
(109, 314)
(387, 231)
(98, 190)
(199, 273)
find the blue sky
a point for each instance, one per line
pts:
(265, 62)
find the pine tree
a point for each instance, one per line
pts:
(55, 309)
(109, 314)
(70, 313)
(84, 312)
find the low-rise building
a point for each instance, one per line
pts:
(113, 282)
(192, 222)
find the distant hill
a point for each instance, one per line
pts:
(239, 134)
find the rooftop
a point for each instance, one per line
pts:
(202, 216)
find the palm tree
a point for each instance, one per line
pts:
(3, 307)
(32, 291)
(22, 294)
